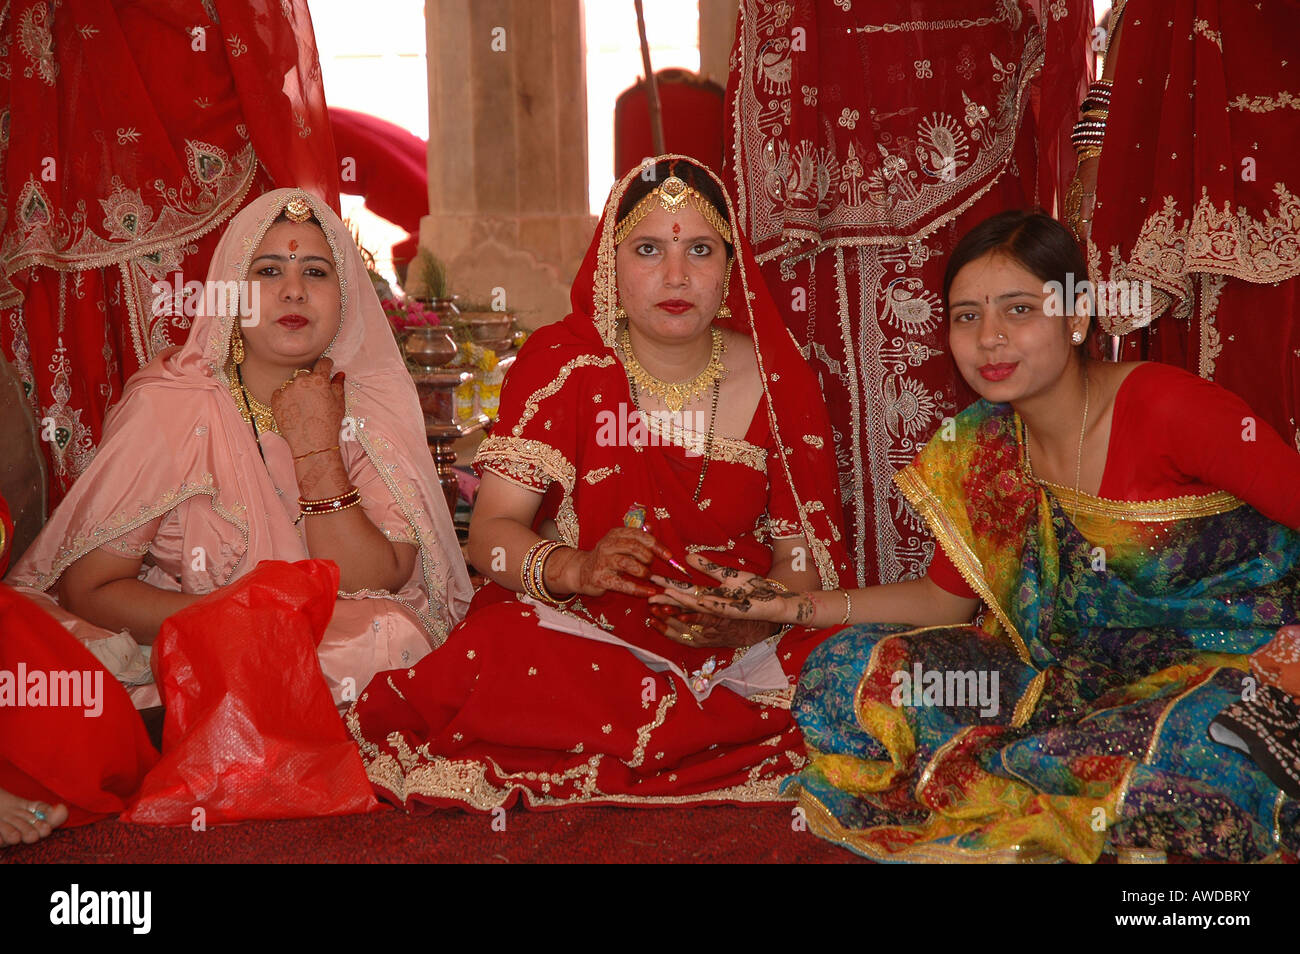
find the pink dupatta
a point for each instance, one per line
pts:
(176, 440)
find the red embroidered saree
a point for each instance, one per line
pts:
(865, 139)
(1198, 195)
(129, 133)
(509, 707)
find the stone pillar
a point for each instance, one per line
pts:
(717, 34)
(508, 150)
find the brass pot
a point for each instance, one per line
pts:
(428, 347)
(491, 329)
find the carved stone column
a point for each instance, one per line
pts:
(508, 150)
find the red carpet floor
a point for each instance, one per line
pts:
(690, 835)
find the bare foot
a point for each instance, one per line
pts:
(26, 821)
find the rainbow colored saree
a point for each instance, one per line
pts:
(1072, 718)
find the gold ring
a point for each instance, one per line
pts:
(696, 629)
(697, 590)
(300, 371)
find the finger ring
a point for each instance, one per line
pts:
(300, 371)
(697, 590)
(697, 629)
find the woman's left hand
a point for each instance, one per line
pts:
(309, 408)
(741, 595)
(691, 628)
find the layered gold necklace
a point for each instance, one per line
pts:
(250, 408)
(674, 396)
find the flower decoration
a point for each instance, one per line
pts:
(404, 313)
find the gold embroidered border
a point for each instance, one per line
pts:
(1205, 677)
(36, 249)
(1265, 104)
(728, 449)
(962, 556)
(1028, 701)
(542, 393)
(526, 458)
(1144, 511)
(81, 544)
(824, 824)
(1170, 248)
(466, 780)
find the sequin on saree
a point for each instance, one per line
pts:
(1117, 631)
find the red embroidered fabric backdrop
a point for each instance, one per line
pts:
(129, 133)
(1197, 194)
(863, 141)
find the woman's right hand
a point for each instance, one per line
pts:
(619, 562)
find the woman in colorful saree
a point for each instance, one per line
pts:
(668, 413)
(1130, 530)
(296, 434)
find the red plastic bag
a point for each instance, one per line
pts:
(251, 731)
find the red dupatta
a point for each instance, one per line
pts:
(547, 437)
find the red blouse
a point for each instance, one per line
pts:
(1174, 434)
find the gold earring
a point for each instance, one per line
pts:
(724, 310)
(237, 348)
(620, 313)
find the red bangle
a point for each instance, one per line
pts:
(343, 501)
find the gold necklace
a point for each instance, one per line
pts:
(1078, 458)
(250, 408)
(674, 396)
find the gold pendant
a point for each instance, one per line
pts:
(674, 395)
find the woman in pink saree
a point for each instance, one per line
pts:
(312, 446)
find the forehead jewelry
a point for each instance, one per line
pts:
(293, 247)
(677, 230)
(671, 195)
(297, 210)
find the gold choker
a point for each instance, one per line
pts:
(250, 408)
(674, 396)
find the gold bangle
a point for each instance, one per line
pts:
(526, 568)
(848, 607)
(532, 573)
(323, 450)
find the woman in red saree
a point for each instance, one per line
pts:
(597, 699)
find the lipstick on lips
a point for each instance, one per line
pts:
(292, 322)
(675, 306)
(997, 372)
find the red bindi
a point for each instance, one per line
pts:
(293, 245)
(677, 227)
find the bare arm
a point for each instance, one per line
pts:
(920, 602)
(500, 536)
(310, 412)
(366, 558)
(102, 589)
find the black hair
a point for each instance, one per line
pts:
(1031, 237)
(692, 175)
